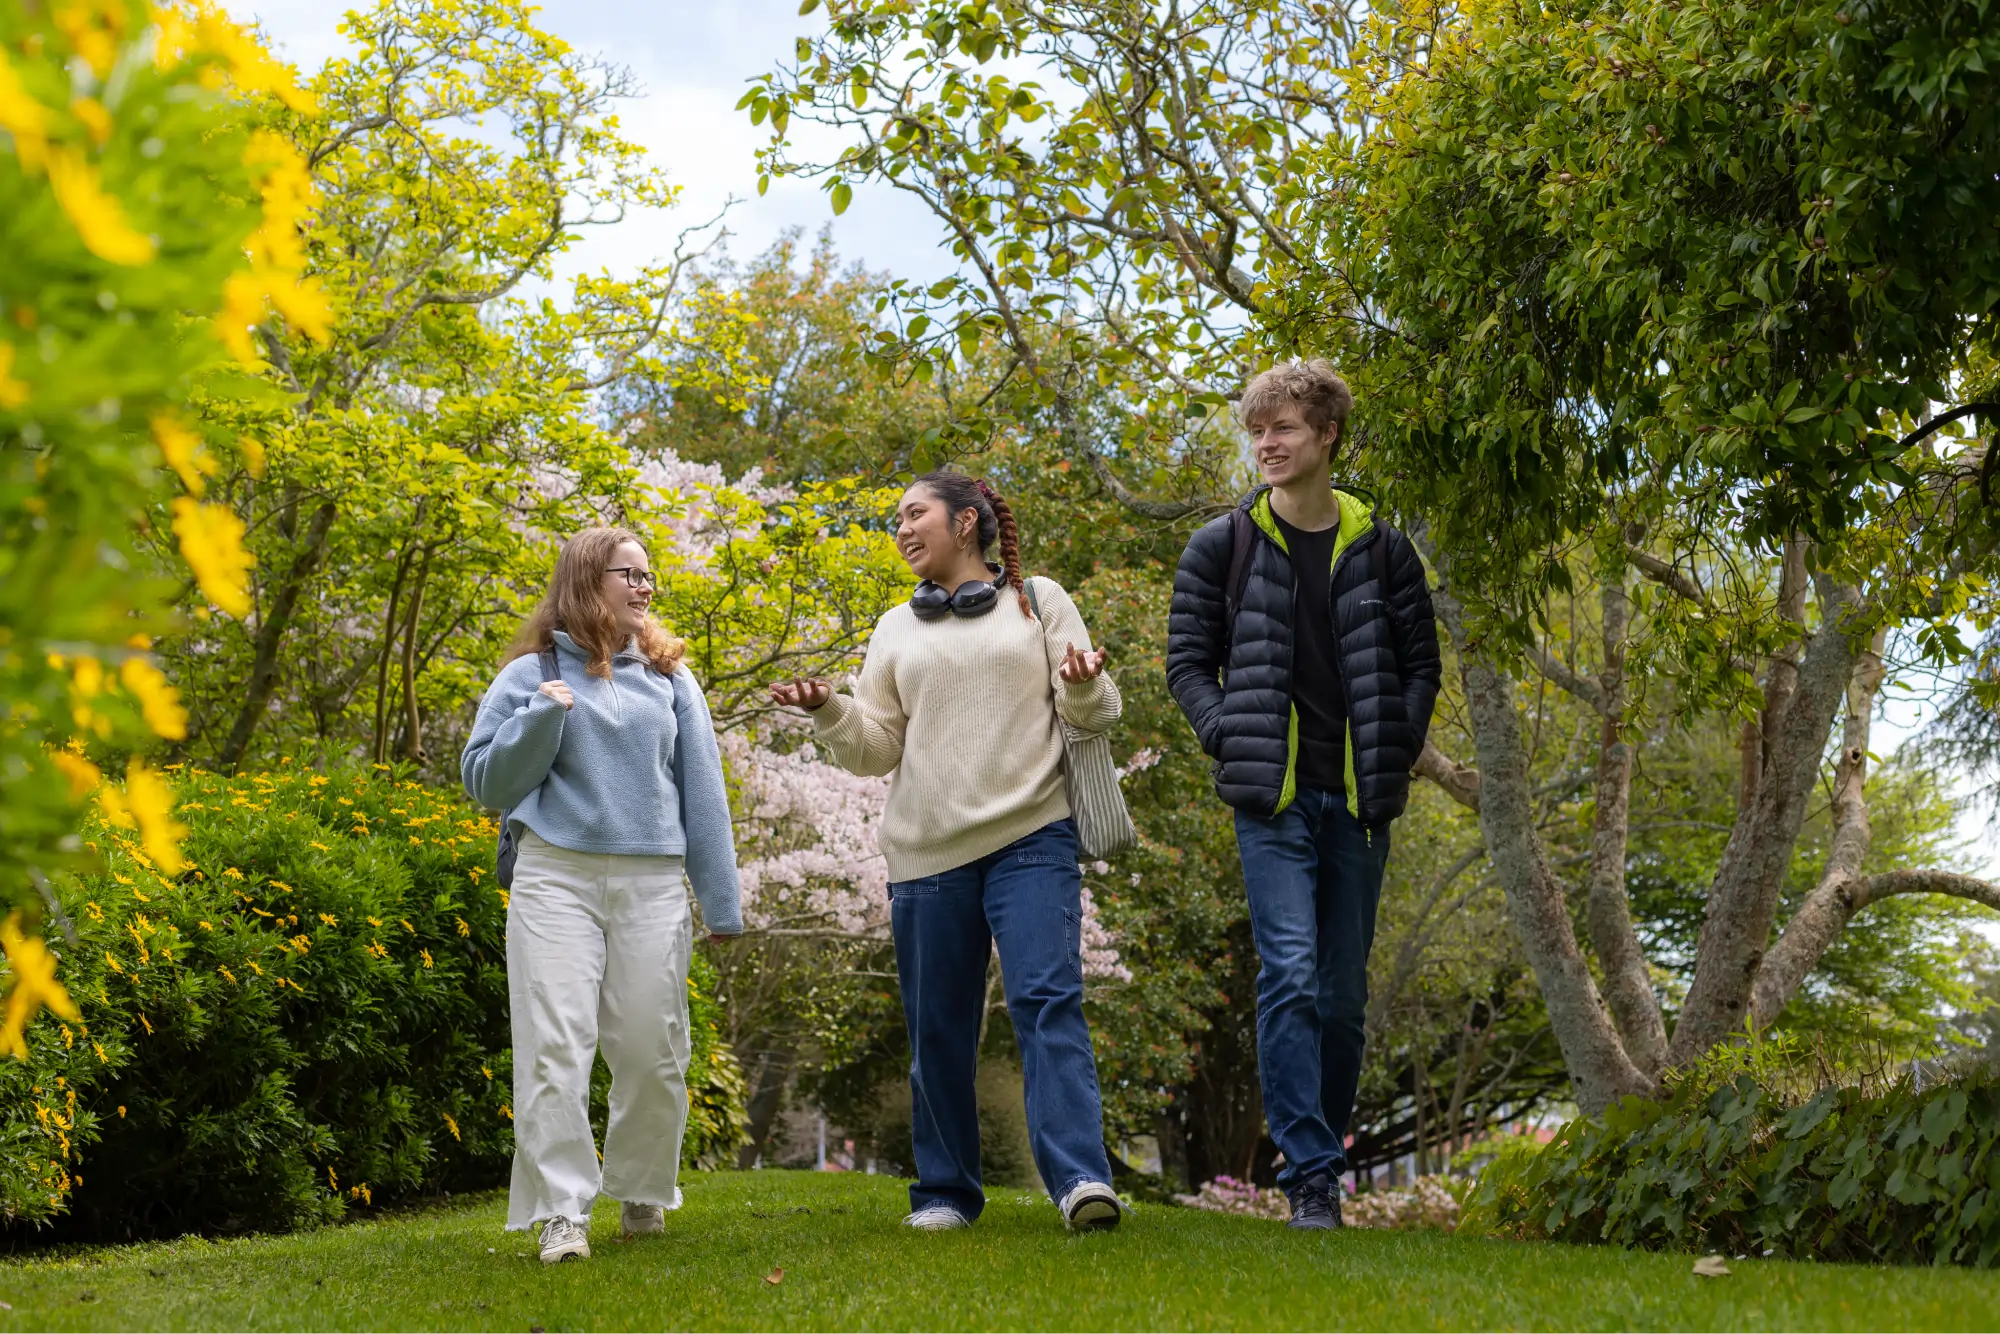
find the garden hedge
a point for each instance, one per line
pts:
(1903, 1176)
(310, 1017)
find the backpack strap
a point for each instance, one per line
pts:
(551, 669)
(1242, 537)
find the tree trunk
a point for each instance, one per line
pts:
(1743, 902)
(1597, 1061)
(263, 678)
(767, 1091)
(1628, 983)
(379, 751)
(413, 722)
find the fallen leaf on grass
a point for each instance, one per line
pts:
(1711, 1266)
(775, 1277)
(6, 1306)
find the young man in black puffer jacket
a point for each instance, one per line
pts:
(1302, 648)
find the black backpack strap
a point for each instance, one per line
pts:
(1242, 536)
(551, 669)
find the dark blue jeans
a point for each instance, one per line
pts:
(1314, 876)
(1027, 898)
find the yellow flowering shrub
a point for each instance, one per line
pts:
(145, 224)
(309, 1016)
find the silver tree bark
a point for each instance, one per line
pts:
(1599, 1067)
(1628, 983)
(1743, 902)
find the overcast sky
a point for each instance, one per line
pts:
(693, 61)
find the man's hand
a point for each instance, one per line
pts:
(802, 694)
(1080, 666)
(560, 693)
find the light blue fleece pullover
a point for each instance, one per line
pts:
(632, 769)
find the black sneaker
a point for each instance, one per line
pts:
(1316, 1205)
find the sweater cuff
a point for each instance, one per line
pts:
(834, 722)
(1091, 705)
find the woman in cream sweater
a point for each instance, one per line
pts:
(958, 700)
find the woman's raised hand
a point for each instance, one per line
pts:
(1081, 666)
(802, 694)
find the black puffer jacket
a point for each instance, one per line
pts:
(1242, 710)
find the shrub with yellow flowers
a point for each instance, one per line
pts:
(308, 1016)
(134, 189)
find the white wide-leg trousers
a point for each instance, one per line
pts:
(597, 955)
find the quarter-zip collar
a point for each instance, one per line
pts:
(629, 653)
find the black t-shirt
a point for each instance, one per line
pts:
(1316, 691)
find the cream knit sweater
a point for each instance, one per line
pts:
(962, 713)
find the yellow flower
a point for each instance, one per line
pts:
(13, 392)
(182, 449)
(452, 1126)
(212, 544)
(93, 30)
(34, 986)
(99, 220)
(225, 972)
(158, 701)
(24, 118)
(80, 773)
(148, 803)
(329, 919)
(94, 117)
(427, 958)
(463, 929)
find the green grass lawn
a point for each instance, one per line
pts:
(847, 1264)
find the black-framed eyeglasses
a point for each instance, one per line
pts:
(635, 577)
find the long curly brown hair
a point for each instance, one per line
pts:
(575, 605)
(995, 523)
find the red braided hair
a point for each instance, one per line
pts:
(1010, 547)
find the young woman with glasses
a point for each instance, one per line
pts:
(608, 770)
(957, 700)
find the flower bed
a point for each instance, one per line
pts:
(1428, 1204)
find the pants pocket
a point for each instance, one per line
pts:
(1073, 942)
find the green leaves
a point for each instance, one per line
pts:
(841, 194)
(1897, 1176)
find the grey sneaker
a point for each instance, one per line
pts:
(564, 1239)
(1091, 1206)
(937, 1218)
(642, 1220)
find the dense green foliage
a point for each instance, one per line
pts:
(312, 1016)
(130, 184)
(1600, 245)
(1906, 1175)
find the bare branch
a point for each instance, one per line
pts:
(1459, 782)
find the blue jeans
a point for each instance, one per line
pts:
(1027, 898)
(1314, 876)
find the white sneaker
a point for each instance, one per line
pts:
(642, 1220)
(1091, 1206)
(564, 1239)
(937, 1218)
